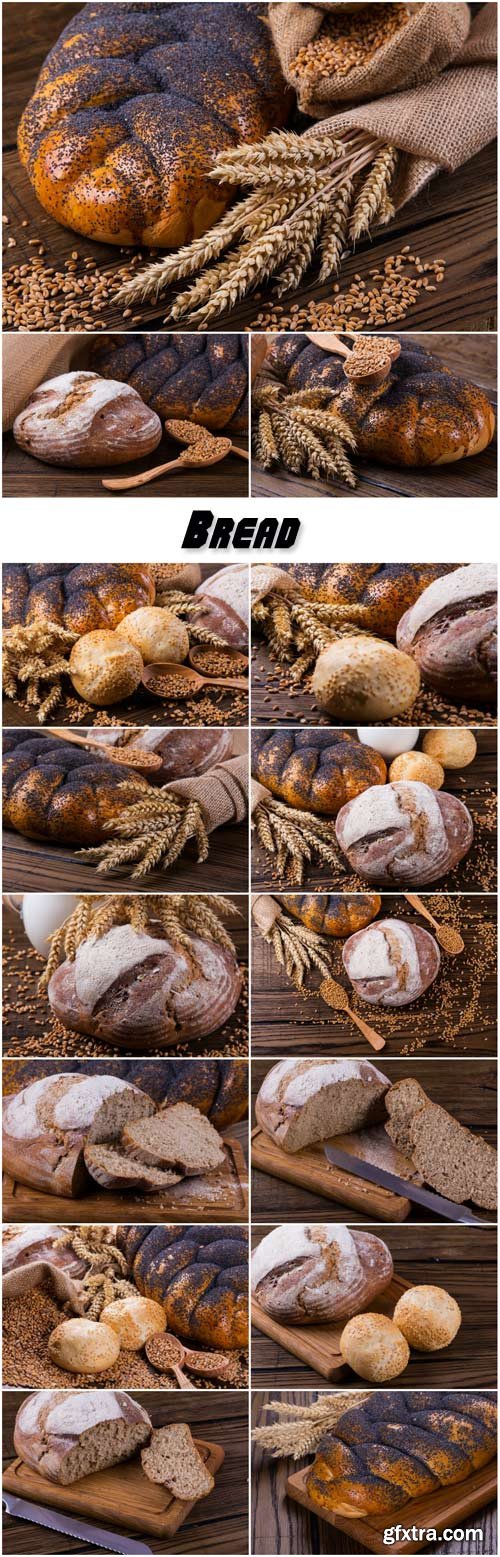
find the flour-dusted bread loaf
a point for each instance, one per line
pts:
(199, 1274)
(219, 1088)
(81, 597)
(306, 1100)
(391, 963)
(172, 1459)
(179, 1138)
(404, 833)
(40, 1245)
(138, 990)
(399, 1445)
(423, 415)
(451, 632)
(46, 1125)
(224, 604)
(184, 753)
(203, 378)
(333, 913)
(315, 770)
(454, 1161)
(82, 419)
(304, 1275)
(131, 107)
(59, 793)
(67, 1434)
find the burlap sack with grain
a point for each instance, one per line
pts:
(428, 42)
(65, 1289)
(27, 361)
(222, 793)
(440, 124)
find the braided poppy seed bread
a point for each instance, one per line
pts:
(404, 833)
(315, 770)
(60, 793)
(399, 1445)
(333, 913)
(132, 106)
(198, 1274)
(80, 598)
(421, 415)
(384, 589)
(203, 378)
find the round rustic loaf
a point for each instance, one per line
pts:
(198, 1274)
(391, 963)
(66, 1434)
(46, 1125)
(424, 415)
(60, 793)
(405, 833)
(79, 598)
(224, 604)
(374, 1348)
(132, 106)
(451, 631)
(82, 419)
(105, 668)
(314, 770)
(306, 1100)
(184, 753)
(203, 378)
(133, 1320)
(333, 913)
(304, 1275)
(83, 1346)
(138, 990)
(218, 1088)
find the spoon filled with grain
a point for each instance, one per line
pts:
(127, 756)
(337, 997)
(196, 456)
(166, 1352)
(192, 434)
(449, 938)
(169, 680)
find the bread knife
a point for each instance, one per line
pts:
(19, 1508)
(405, 1187)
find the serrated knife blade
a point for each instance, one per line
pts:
(20, 1508)
(405, 1187)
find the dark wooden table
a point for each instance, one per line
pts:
(460, 1259)
(476, 786)
(26, 1014)
(24, 476)
(35, 867)
(477, 477)
(230, 708)
(467, 1088)
(217, 1524)
(455, 216)
(458, 1013)
(280, 1525)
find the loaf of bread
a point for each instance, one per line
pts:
(179, 1138)
(172, 1459)
(219, 1088)
(404, 833)
(333, 913)
(315, 770)
(451, 631)
(399, 1445)
(59, 792)
(454, 1161)
(82, 419)
(45, 1127)
(391, 963)
(306, 1100)
(224, 605)
(131, 108)
(198, 1274)
(66, 1434)
(422, 415)
(40, 1246)
(138, 990)
(80, 598)
(374, 1348)
(383, 590)
(203, 378)
(304, 1275)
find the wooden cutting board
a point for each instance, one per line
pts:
(434, 1511)
(105, 1205)
(319, 1345)
(311, 1170)
(122, 1495)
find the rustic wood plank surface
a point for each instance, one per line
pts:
(28, 1027)
(467, 1088)
(476, 786)
(217, 1525)
(33, 867)
(281, 1526)
(477, 477)
(460, 1259)
(26, 477)
(462, 997)
(455, 216)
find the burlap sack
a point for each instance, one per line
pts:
(222, 793)
(27, 361)
(430, 39)
(441, 124)
(265, 912)
(16, 1283)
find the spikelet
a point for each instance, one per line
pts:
(373, 192)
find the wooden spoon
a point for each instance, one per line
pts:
(189, 458)
(449, 938)
(173, 428)
(337, 997)
(333, 344)
(127, 756)
(177, 1350)
(198, 650)
(193, 682)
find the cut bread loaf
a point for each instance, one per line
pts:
(180, 1138)
(115, 1170)
(65, 1435)
(302, 1100)
(172, 1459)
(454, 1161)
(47, 1125)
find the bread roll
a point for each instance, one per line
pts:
(105, 668)
(156, 633)
(364, 678)
(82, 419)
(428, 1317)
(374, 1348)
(133, 1319)
(82, 1346)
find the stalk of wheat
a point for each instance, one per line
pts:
(297, 948)
(34, 663)
(299, 1429)
(180, 916)
(302, 431)
(294, 840)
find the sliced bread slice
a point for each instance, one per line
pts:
(180, 1138)
(402, 1102)
(114, 1170)
(454, 1161)
(172, 1459)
